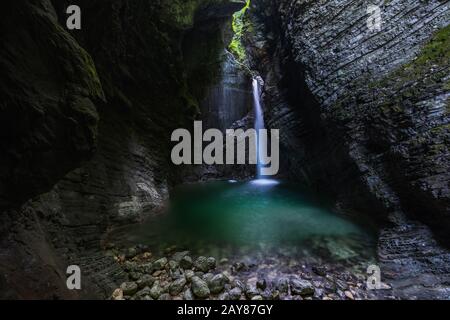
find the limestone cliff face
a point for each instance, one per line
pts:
(50, 97)
(93, 110)
(365, 114)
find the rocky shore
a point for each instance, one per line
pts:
(178, 275)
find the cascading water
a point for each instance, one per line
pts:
(259, 124)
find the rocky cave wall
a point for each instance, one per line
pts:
(364, 117)
(86, 123)
(378, 100)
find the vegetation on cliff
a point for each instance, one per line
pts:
(434, 56)
(240, 25)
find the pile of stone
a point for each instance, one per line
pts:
(179, 276)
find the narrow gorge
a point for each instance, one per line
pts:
(87, 179)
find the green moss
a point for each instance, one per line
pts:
(413, 79)
(436, 52)
(439, 129)
(240, 25)
(94, 83)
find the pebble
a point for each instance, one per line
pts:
(188, 274)
(217, 283)
(261, 284)
(165, 296)
(349, 295)
(145, 281)
(251, 292)
(156, 290)
(173, 265)
(188, 295)
(200, 288)
(302, 287)
(201, 264)
(177, 286)
(235, 293)
(183, 277)
(211, 262)
(159, 264)
(129, 288)
(186, 262)
(283, 285)
(117, 294)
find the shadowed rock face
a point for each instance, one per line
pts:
(50, 95)
(118, 86)
(365, 117)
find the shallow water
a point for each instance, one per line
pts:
(256, 218)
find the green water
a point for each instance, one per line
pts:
(256, 216)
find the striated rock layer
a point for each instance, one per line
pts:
(364, 117)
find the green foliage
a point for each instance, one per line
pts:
(239, 27)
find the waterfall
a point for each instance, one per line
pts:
(259, 123)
